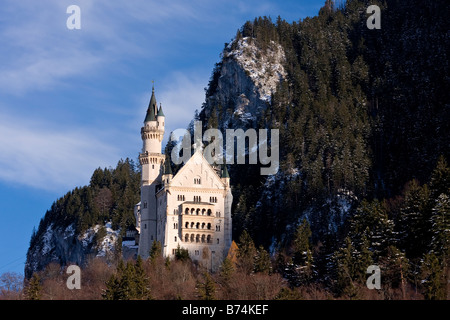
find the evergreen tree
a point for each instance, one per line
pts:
(414, 222)
(246, 253)
(345, 269)
(262, 261)
(182, 254)
(141, 280)
(433, 278)
(302, 254)
(207, 289)
(226, 270)
(440, 179)
(395, 267)
(33, 291)
(155, 250)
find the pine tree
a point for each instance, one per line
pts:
(207, 289)
(345, 269)
(302, 254)
(440, 224)
(414, 221)
(246, 253)
(141, 281)
(33, 290)
(155, 250)
(433, 278)
(226, 270)
(440, 179)
(262, 261)
(395, 268)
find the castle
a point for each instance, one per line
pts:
(190, 210)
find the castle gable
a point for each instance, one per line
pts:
(197, 171)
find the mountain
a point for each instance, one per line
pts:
(363, 119)
(87, 222)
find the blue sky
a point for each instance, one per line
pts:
(74, 100)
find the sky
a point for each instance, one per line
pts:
(73, 100)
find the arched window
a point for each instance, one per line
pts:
(203, 225)
(197, 212)
(186, 211)
(197, 238)
(208, 226)
(203, 212)
(197, 225)
(192, 237)
(186, 225)
(203, 238)
(208, 239)
(209, 212)
(192, 225)
(192, 211)
(186, 237)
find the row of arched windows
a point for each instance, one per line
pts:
(198, 225)
(198, 211)
(198, 238)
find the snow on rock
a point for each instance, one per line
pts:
(264, 68)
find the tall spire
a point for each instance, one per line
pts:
(152, 107)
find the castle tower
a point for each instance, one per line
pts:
(152, 162)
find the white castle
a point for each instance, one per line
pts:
(190, 210)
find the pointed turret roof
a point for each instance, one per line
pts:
(167, 167)
(160, 111)
(152, 108)
(225, 171)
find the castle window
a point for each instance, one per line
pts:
(208, 226)
(209, 212)
(217, 240)
(192, 237)
(186, 211)
(145, 226)
(175, 238)
(145, 204)
(153, 166)
(203, 225)
(208, 239)
(197, 225)
(218, 214)
(203, 238)
(197, 181)
(192, 225)
(186, 237)
(197, 212)
(197, 238)
(186, 225)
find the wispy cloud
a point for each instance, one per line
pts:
(43, 156)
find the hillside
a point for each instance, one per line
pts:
(364, 121)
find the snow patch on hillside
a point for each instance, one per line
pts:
(264, 68)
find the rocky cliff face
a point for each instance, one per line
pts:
(244, 82)
(64, 246)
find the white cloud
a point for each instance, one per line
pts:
(38, 155)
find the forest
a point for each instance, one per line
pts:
(364, 118)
